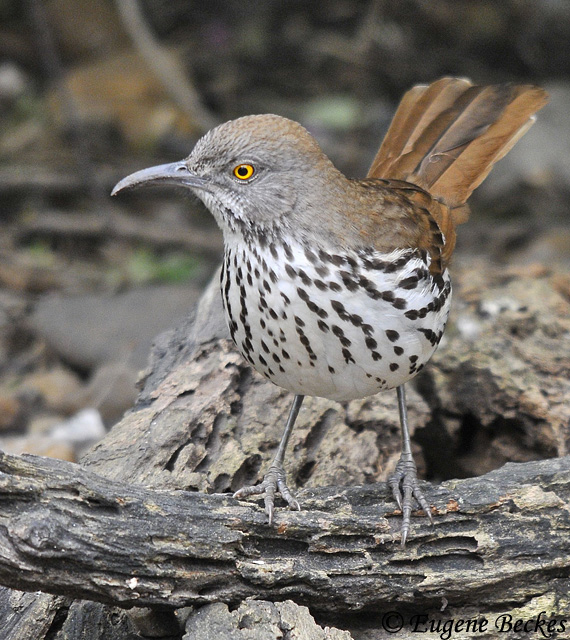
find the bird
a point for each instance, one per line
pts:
(339, 287)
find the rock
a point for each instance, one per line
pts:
(254, 620)
(90, 330)
(10, 409)
(13, 82)
(111, 389)
(551, 247)
(39, 446)
(55, 387)
(153, 623)
(13, 308)
(50, 435)
(42, 424)
(85, 427)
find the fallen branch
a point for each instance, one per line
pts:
(119, 226)
(164, 64)
(68, 531)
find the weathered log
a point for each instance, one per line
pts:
(68, 531)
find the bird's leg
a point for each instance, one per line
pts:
(275, 479)
(404, 481)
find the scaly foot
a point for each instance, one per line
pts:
(274, 481)
(404, 485)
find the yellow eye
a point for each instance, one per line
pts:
(243, 171)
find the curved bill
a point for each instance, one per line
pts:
(176, 173)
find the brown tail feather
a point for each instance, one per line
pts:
(447, 136)
(419, 107)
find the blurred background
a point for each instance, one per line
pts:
(91, 90)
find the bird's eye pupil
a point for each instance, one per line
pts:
(244, 171)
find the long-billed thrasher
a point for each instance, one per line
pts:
(337, 287)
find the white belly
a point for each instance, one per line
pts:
(340, 331)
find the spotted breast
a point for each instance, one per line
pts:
(340, 326)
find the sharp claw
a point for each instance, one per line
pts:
(398, 498)
(248, 491)
(418, 495)
(293, 504)
(273, 481)
(404, 486)
(393, 483)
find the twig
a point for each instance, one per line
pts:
(164, 64)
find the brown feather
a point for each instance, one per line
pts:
(473, 163)
(445, 138)
(420, 106)
(399, 214)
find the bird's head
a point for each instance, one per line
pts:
(258, 172)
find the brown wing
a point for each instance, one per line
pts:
(446, 137)
(399, 215)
